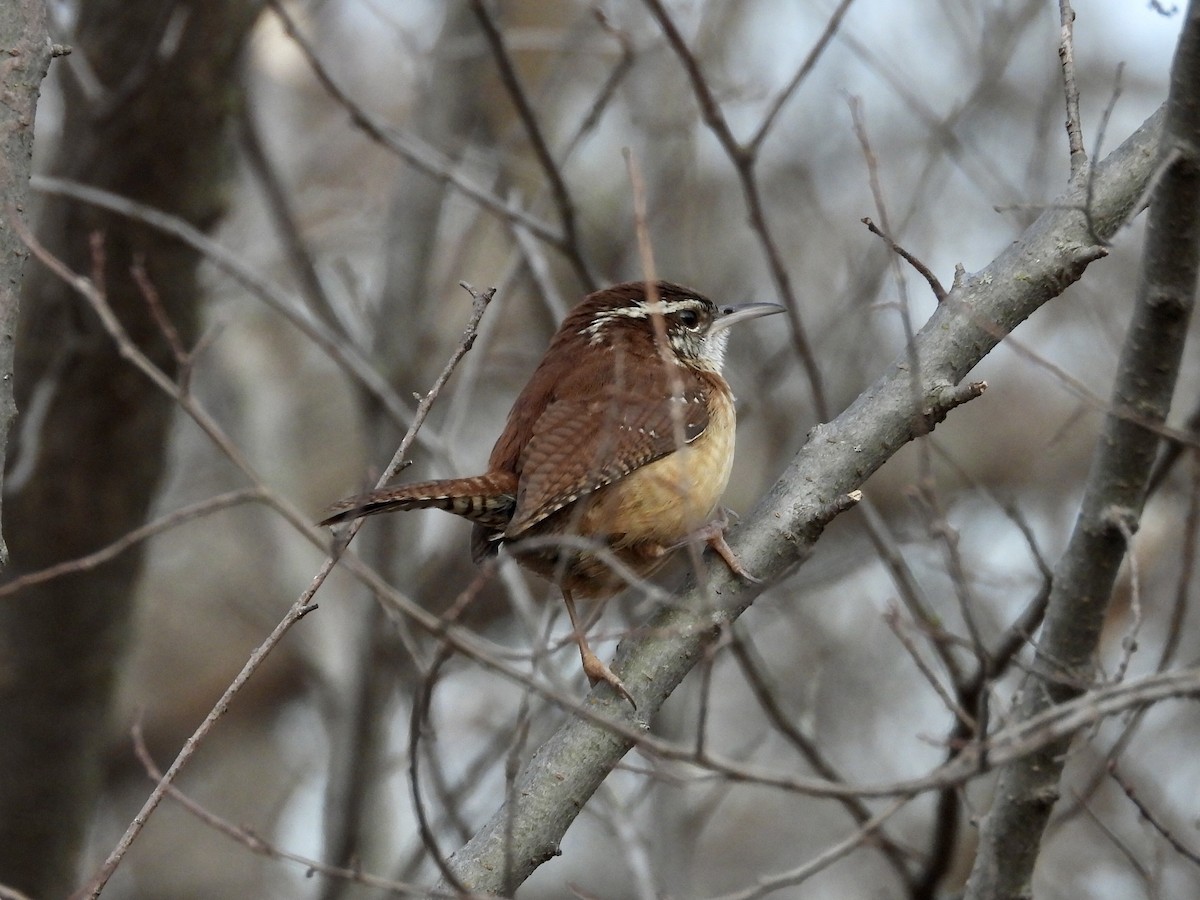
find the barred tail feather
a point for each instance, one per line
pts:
(487, 500)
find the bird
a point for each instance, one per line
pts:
(615, 453)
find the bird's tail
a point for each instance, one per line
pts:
(487, 500)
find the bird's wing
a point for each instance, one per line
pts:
(578, 446)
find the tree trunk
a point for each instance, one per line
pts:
(27, 58)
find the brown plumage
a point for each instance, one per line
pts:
(623, 436)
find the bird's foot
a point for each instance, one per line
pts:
(713, 534)
(596, 671)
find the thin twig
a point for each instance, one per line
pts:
(255, 843)
(810, 62)
(892, 618)
(915, 601)
(397, 462)
(333, 346)
(420, 717)
(1186, 852)
(609, 89)
(1101, 133)
(939, 292)
(768, 699)
(860, 837)
(279, 207)
(743, 159)
(1066, 54)
(159, 314)
(409, 148)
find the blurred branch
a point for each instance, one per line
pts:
(558, 186)
(339, 350)
(1115, 491)
(8, 893)
(860, 837)
(279, 206)
(976, 162)
(768, 698)
(840, 456)
(413, 151)
(419, 722)
(257, 844)
(809, 63)
(744, 158)
(609, 89)
(1146, 813)
(141, 533)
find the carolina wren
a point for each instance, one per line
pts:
(615, 453)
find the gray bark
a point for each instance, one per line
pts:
(26, 58)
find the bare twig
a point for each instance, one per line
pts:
(892, 618)
(861, 837)
(419, 720)
(279, 206)
(410, 149)
(939, 292)
(743, 158)
(130, 538)
(332, 345)
(906, 583)
(609, 89)
(785, 724)
(558, 186)
(1101, 134)
(150, 294)
(1066, 53)
(1146, 813)
(258, 844)
(809, 63)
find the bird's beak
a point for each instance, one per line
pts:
(731, 315)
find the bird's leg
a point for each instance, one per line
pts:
(593, 667)
(713, 534)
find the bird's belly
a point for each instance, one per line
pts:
(636, 519)
(664, 501)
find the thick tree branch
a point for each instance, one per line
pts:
(838, 458)
(1115, 491)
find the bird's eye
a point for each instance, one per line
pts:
(688, 318)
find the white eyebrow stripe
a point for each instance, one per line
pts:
(641, 310)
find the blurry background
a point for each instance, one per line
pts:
(963, 106)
